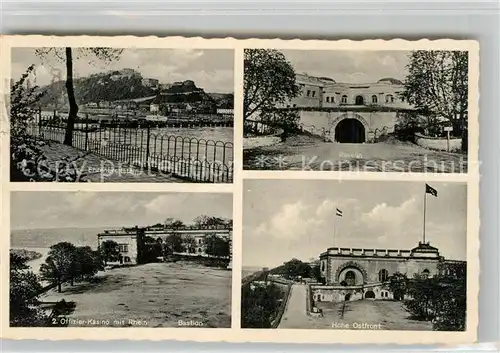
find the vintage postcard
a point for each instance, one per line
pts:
(231, 190)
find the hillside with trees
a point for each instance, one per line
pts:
(114, 86)
(110, 86)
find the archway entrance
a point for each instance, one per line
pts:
(370, 295)
(360, 100)
(347, 297)
(350, 278)
(350, 131)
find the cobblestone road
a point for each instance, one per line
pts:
(310, 153)
(96, 168)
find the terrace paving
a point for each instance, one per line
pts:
(97, 168)
(156, 295)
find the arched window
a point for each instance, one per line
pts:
(332, 99)
(328, 99)
(389, 98)
(374, 99)
(322, 266)
(344, 99)
(350, 278)
(426, 273)
(383, 275)
(359, 100)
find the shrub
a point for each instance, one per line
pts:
(28, 162)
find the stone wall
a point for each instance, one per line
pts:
(323, 123)
(440, 144)
(367, 269)
(338, 294)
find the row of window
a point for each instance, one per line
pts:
(389, 98)
(383, 275)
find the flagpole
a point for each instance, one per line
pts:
(334, 228)
(425, 205)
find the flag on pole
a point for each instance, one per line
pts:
(338, 213)
(430, 190)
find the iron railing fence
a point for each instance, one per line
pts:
(194, 159)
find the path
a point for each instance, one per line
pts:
(378, 314)
(311, 153)
(100, 169)
(295, 315)
(155, 294)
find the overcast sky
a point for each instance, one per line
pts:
(350, 66)
(284, 219)
(210, 69)
(112, 209)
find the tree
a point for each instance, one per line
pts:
(174, 243)
(174, 223)
(293, 269)
(60, 265)
(211, 221)
(105, 54)
(316, 274)
(109, 251)
(269, 79)
(451, 306)
(88, 262)
(398, 285)
(437, 84)
(24, 305)
(190, 244)
(217, 246)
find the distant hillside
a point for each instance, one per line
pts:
(128, 84)
(110, 86)
(223, 100)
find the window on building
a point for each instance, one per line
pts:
(199, 241)
(126, 259)
(389, 98)
(308, 93)
(332, 99)
(344, 99)
(328, 99)
(313, 93)
(374, 99)
(426, 273)
(123, 247)
(383, 275)
(199, 250)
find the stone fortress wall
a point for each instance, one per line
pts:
(354, 273)
(323, 103)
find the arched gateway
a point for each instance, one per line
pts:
(349, 128)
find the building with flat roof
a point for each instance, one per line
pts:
(355, 273)
(348, 112)
(129, 240)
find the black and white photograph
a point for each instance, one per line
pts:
(120, 259)
(84, 114)
(354, 255)
(355, 110)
